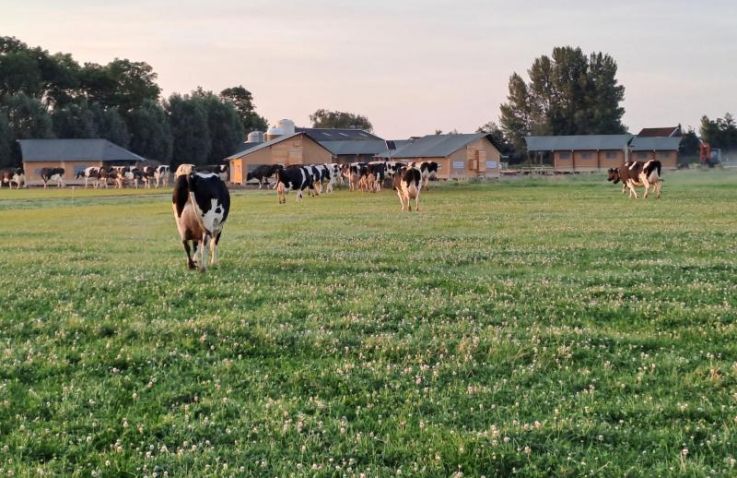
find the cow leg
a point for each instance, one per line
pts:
(214, 248)
(204, 243)
(190, 262)
(417, 203)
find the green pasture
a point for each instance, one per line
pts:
(529, 327)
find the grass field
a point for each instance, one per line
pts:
(544, 327)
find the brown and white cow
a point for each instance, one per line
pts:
(13, 176)
(637, 173)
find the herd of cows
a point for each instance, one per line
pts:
(201, 200)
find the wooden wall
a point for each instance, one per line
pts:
(70, 167)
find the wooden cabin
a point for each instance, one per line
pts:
(664, 149)
(582, 152)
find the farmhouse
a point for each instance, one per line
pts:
(295, 148)
(73, 155)
(459, 156)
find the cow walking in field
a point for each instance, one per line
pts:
(263, 173)
(161, 175)
(296, 178)
(429, 170)
(637, 173)
(52, 174)
(201, 203)
(90, 174)
(408, 184)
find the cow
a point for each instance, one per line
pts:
(638, 173)
(408, 184)
(102, 177)
(201, 203)
(221, 170)
(376, 175)
(91, 173)
(352, 173)
(161, 175)
(52, 174)
(263, 173)
(295, 178)
(13, 176)
(429, 171)
(330, 174)
(147, 175)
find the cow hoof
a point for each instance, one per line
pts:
(191, 266)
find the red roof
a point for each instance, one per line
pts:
(660, 132)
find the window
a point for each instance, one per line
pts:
(611, 155)
(565, 155)
(585, 155)
(491, 164)
(642, 155)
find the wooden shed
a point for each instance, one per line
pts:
(297, 148)
(582, 152)
(73, 155)
(459, 156)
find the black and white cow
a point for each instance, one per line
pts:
(293, 178)
(90, 174)
(161, 175)
(12, 176)
(221, 170)
(201, 203)
(408, 184)
(330, 176)
(637, 173)
(263, 173)
(353, 173)
(376, 174)
(429, 171)
(52, 174)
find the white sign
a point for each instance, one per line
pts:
(459, 165)
(491, 164)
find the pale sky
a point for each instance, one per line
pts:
(410, 66)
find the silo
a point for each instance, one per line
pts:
(287, 126)
(256, 137)
(274, 133)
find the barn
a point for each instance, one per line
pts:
(295, 148)
(459, 156)
(73, 155)
(582, 152)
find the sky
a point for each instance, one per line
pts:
(410, 66)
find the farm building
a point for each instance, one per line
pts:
(664, 149)
(348, 145)
(582, 152)
(295, 148)
(459, 156)
(593, 152)
(73, 155)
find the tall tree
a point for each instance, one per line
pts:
(6, 140)
(74, 120)
(122, 84)
(719, 133)
(242, 100)
(323, 118)
(568, 93)
(189, 128)
(28, 117)
(498, 137)
(111, 125)
(150, 134)
(223, 123)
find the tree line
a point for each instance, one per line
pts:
(44, 95)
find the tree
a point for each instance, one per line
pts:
(224, 125)
(6, 141)
(688, 150)
(323, 118)
(150, 134)
(28, 118)
(242, 101)
(75, 120)
(189, 128)
(122, 84)
(568, 93)
(111, 126)
(719, 133)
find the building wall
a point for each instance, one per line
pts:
(585, 160)
(611, 159)
(669, 159)
(563, 160)
(31, 168)
(478, 159)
